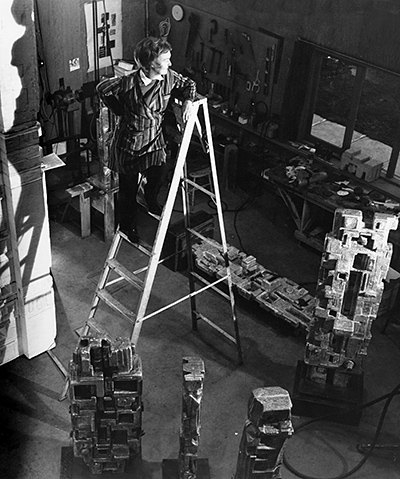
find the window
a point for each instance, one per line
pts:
(352, 104)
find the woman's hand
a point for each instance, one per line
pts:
(186, 110)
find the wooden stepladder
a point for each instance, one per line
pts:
(145, 285)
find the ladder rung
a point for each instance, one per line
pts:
(215, 326)
(141, 203)
(84, 330)
(146, 249)
(204, 281)
(140, 246)
(128, 275)
(115, 304)
(199, 187)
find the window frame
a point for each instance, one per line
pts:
(306, 123)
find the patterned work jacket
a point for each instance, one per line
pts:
(138, 140)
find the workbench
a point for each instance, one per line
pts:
(312, 206)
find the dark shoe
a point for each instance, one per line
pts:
(155, 208)
(131, 233)
(152, 204)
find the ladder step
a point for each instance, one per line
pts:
(128, 275)
(84, 330)
(116, 305)
(215, 326)
(144, 248)
(199, 187)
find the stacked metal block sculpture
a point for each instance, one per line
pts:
(267, 428)
(106, 405)
(329, 381)
(280, 296)
(192, 394)
(354, 264)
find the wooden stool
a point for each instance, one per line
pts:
(202, 178)
(103, 201)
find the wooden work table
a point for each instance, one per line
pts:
(312, 206)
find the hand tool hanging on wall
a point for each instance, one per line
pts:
(164, 28)
(226, 34)
(254, 85)
(267, 70)
(194, 21)
(232, 73)
(220, 53)
(212, 61)
(202, 52)
(213, 29)
(277, 51)
(248, 38)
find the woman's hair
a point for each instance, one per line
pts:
(148, 49)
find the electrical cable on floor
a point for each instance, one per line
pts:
(389, 397)
(247, 203)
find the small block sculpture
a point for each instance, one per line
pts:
(265, 432)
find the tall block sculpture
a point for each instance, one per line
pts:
(106, 404)
(350, 285)
(267, 428)
(188, 465)
(192, 394)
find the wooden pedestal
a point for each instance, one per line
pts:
(339, 402)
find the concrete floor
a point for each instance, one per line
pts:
(36, 425)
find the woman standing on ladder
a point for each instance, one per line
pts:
(138, 146)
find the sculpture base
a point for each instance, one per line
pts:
(72, 467)
(339, 398)
(170, 469)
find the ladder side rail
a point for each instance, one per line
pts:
(221, 225)
(13, 251)
(189, 254)
(163, 225)
(112, 252)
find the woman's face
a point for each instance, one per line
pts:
(161, 64)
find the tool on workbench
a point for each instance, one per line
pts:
(213, 29)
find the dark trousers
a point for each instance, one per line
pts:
(128, 189)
